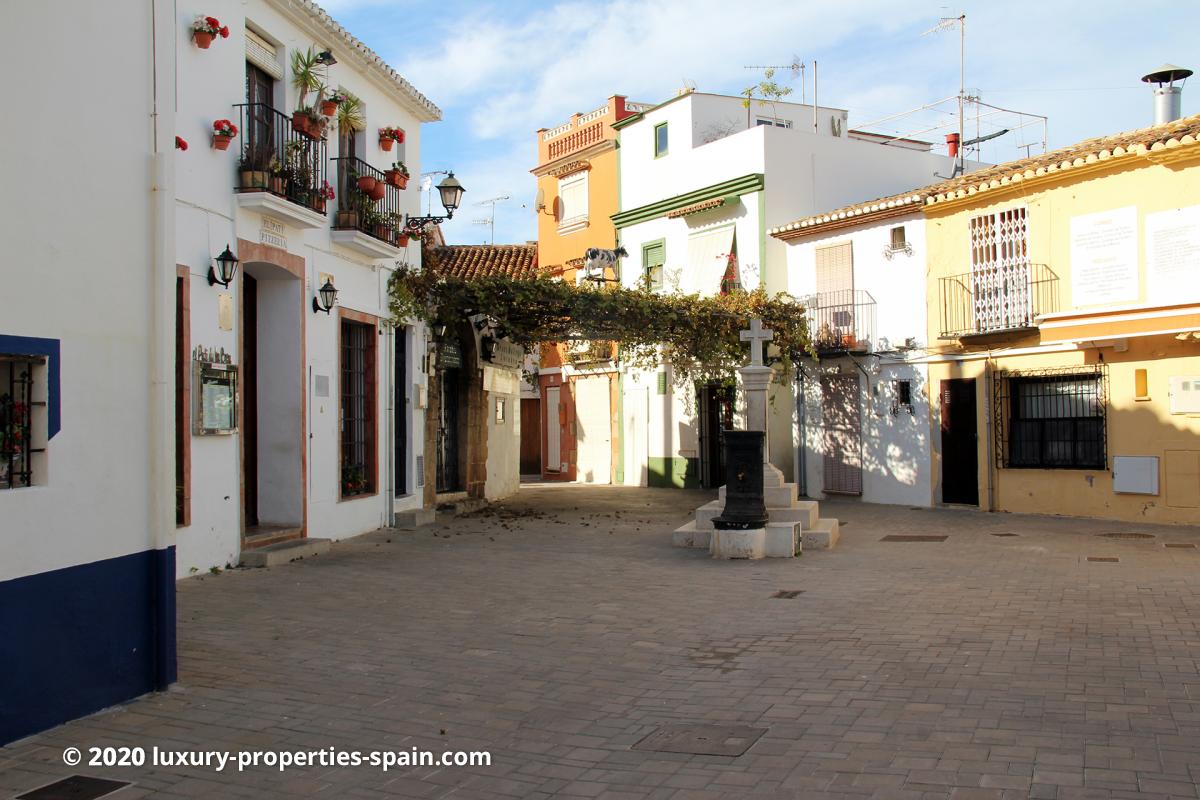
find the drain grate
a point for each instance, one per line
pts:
(701, 740)
(76, 787)
(1104, 559)
(905, 537)
(1006, 534)
(1126, 535)
(1180, 545)
(788, 594)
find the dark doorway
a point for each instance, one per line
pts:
(448, 433)
(842, 422)
(250, 398)
(531, 440)
(400, 411)
(716, 417)
(960, 454)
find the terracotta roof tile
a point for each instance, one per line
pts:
(478, 261)
(1185, 131)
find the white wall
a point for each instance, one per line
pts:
(80, 267)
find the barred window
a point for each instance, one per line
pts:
(22, 419)
(1055, 421)
(358, 408)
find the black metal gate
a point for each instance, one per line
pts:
(448, 432)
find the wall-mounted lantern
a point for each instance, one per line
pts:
(227, 264)
(325, 297)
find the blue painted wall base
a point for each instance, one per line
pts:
(75, 640)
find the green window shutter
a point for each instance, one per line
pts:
(662, 383)
(654, 256)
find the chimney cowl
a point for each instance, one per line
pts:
(1168, 105)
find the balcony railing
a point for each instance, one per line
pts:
(1000, 299)
(356, 210)
(278, 158)
(842, 321)
(581, 138)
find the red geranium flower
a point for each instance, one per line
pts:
(225, 32)
(213, 21)
(180, 143)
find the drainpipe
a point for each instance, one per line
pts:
(989, 431)
(161, 351)
(389, 414)
(801, 451)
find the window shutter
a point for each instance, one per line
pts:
(263, 55)
(835, 268)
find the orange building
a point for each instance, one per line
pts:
(577, 195)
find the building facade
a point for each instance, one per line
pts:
(314, 431)
(1065, 290)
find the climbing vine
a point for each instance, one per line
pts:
(697, 336)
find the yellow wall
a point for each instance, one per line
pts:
(1134, 427)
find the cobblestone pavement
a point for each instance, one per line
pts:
(561, 628)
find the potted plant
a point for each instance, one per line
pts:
(366, 183)
(277, 172)
(398, 175)
(255, 164)
(375, 222)
(205, 29)
(354, 201)
(350, 116)
(387, 136)
(396, 222)
(329, 105)
(323, 193)
(378, 191)
(354, 481)
(305, 79)
(223, 133)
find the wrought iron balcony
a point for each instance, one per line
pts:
(365, 207)
(280, 159)
(841, 321)
(997, 300)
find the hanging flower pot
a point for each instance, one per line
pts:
(328, 108)
(377, 192)
(221, 142)
(223, 133)
(205, 29)
(403, 240)
(385, 144)
(402, 181)
(203, 40)
(366, 183)
(301, 123)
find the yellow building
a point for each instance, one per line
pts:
(1064, 310)
(577, 384)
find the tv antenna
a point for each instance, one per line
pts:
(796, 68)
(490, 219)
(945, 24)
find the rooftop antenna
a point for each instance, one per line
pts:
(945, 24)
(490, 220)
(796, 68)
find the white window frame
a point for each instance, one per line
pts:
(573, 219)
(778, 122)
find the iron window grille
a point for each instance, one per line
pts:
(16, 421)
(1051, 418)
(358, 408)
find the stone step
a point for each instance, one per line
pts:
(780, 496)
(415, 518)
(783, 540)
(705, 514)
(284, 552)
(823, 535)
(689, 536)
(806, 512)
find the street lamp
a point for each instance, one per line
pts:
(451, 192)
(227, 262)
(325, 297)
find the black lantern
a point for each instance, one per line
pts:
(326, 57)
(227, 263)
(324, 299)
(451, 192)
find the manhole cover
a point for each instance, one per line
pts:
(1126, 535)
(898, 537)
(1005, 534)
(788, 594)
(76, 787)
(1180, 545)
(1104, 559)
(701, 740)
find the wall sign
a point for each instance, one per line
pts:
(502, 352)
(1173, 255)
(449, 355)
(215, 390)
(1104, 258)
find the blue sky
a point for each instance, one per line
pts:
(501, 70)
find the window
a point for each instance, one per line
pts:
(776, 121)
(901, 397)
(660, 139)
(358, 408)
(183, 398)
(899, 241)
(654, 255)
(22, 419)
(573, 201)
(1055, 421)
(1000, 271)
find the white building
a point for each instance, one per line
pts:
(152, 424)
(864, 416)
(703, 178)
(323, 440)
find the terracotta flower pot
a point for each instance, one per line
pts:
(402, 181)
(221, 142)
(378, 191)
(328, 108)
(385, 144)
(203, 39)
(302, 124)
(318, 205)
(381, 231)
(347, 219)
(276, 185)
(403, 240)
(366, 183)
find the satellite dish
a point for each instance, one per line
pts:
(540, 202)
(557, 208)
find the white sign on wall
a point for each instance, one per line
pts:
(1173, 255)
(1104, 258)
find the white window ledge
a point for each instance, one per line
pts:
(367, 245)
(572, 225)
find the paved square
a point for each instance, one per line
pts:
(562, 628)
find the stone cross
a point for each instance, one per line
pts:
(756, 335)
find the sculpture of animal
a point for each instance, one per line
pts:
(598, 259)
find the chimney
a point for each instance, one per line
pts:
(952, 145)
(1167, 104)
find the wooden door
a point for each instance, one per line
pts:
(531, 440)
(842, 425)
(553, 430)
(960, 446)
